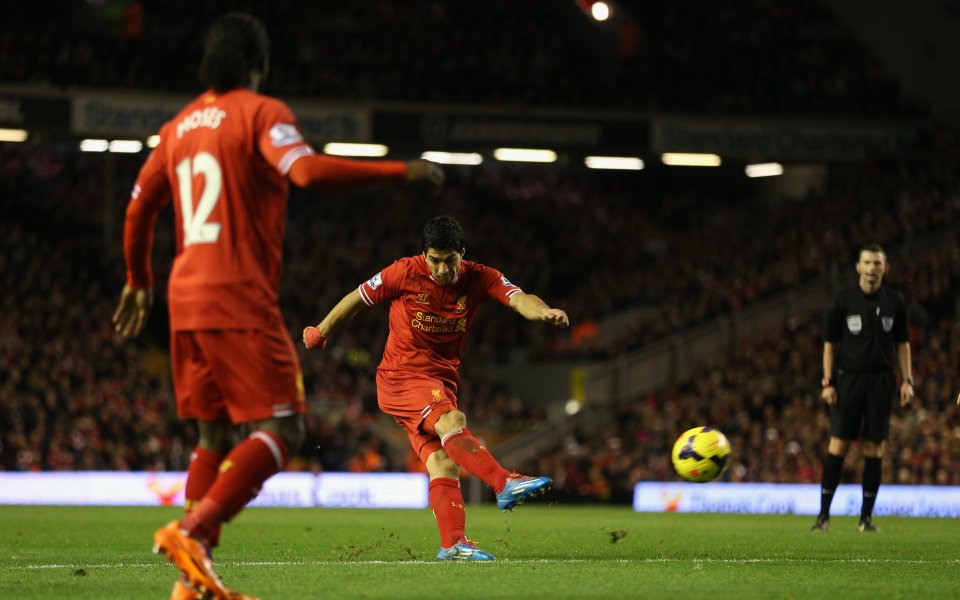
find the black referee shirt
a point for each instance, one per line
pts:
(866, 326)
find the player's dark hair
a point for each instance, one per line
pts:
(443, 233)
(236, 44)
(877, 248)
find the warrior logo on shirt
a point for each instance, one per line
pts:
(423, 298)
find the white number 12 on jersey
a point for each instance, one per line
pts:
(196, 230)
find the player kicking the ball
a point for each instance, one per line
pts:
(433, 298)
(225, 160)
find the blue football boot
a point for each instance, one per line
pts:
(519, 488)
(464, 549)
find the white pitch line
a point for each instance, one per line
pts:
(543, 561)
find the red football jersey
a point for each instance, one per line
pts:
(429, 321)
(224, 160)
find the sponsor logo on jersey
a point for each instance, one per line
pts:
(423, 298)
(375, 281)
(431, 323)
(461, 304)
(854, 324)
(284, 134)
(209, 117)
(887, 323)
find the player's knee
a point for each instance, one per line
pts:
(215, 436)
(290, 430)
(439, 464)
(450, 421)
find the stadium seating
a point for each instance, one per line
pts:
(74, 397)
(752, 57)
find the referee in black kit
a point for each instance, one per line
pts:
(865, 331)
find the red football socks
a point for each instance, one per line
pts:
(202, 472)
(468, 452)
(446, 502)
(242, 472)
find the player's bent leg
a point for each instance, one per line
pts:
(243, 471)
(512, 488)
(465, 450)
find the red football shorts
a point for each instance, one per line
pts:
(237, 374)
(415, 403)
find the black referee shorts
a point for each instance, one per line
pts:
(862, 410)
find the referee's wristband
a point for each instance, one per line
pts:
(826, 382)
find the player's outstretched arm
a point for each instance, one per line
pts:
(535, 309)
(349, 305)
(332, 173)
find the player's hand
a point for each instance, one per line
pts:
(555, 316)
(132, 311)
(829, 395)
(425, 172)
(312, 338)
(906, 394)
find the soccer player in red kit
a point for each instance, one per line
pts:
(225, 161)
(433, 299)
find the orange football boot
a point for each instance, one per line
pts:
(191, 558)
(184, 591)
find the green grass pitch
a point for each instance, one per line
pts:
(543, 551)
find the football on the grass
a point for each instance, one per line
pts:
(701, 454)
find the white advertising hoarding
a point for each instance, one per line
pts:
(110, 488)
(797, 499)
